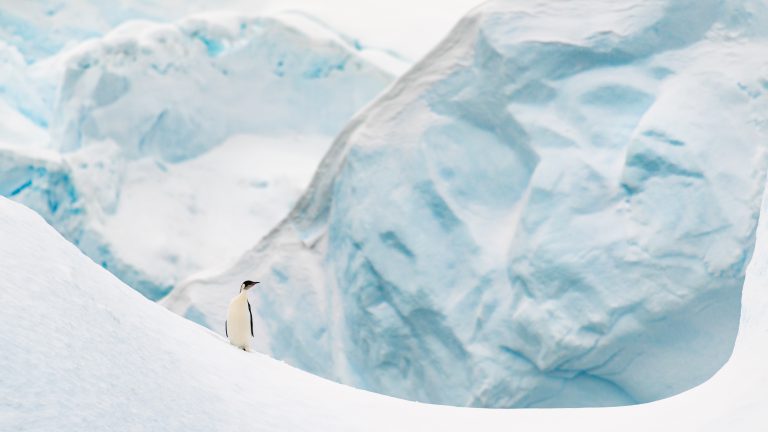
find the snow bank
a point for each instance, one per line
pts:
(546, 211)
(78, 341)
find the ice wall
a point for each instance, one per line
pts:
(554, 208)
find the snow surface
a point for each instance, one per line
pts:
(83, 351)
(181, 143)
(556, 207)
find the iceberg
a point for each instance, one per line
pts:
(174, 91)
(556, 207)
(43, 28)
(168, 138)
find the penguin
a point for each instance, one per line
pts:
(240, 319)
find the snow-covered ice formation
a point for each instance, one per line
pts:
(83, 351)
(175, 90)
(555, 207)
(180, 144)
(44, 27)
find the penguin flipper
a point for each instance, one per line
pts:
(250, 314)
(226, 332)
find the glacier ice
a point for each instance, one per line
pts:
(16, 88)
(555, 207)
(141, 129)
(174, 91)
(45, 27)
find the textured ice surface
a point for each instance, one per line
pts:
(174, 91)
(44, 27)
(556, 207)
(205, 212)
(76, 339)
(181, 144)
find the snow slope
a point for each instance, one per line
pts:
(546, 211)
(81, 350)
(173, 136)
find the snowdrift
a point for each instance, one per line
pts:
(83, 351)
(555, 207)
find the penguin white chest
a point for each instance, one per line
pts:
(239, 322)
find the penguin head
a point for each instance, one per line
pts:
(247, 285)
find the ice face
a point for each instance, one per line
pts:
(19, 92)
(545, 211)
(175, 91)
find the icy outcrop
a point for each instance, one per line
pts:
(554, 208)
(72, 193)
(40, 179)
(45, 27)
(173, 91)
(181, 144)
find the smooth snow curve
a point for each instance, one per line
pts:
(548, 210)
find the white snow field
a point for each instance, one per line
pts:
(83, 351)
(165, 149)
(555, 207)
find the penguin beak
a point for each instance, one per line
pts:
(251, 286)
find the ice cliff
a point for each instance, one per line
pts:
(157, 148)
(555, 207)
